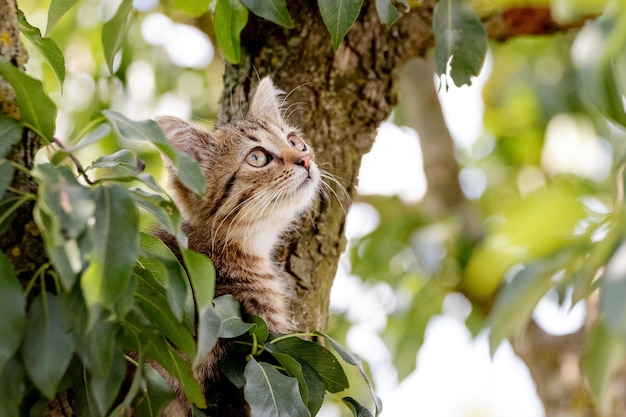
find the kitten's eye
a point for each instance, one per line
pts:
(296, 142)
(257, 158)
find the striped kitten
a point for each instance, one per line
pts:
(261, 176)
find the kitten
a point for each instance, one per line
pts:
(261, 176)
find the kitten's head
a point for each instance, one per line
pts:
(260, 174)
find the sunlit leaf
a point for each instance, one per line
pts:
(601, 63)
(164, 210)
(63, 210)
(116, 233)
(460, 40)
(194, 8)
(339, 16)
(613, 292)
(518, 298)
(37, 111)
(272, 10)
(209, 324)
(164, 265)
(188, 170)
(13, 304)
(10, 132)
(270, 393)
(46, 46)
(114, 31)
(202, 276)
(604, 356)
(230, 17)
(125, 159)
(48, 344)
(56, 10)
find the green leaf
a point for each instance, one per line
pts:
(357, 409)
(260, 329)
(56, 10)
(228, 310)
(202, 276)
(339, 16)
(600, 62)
(11, 388)
(270, 393)
(613, 292)
(188, 170)
(96, 348)
(354, 360)
(155, 306)
(517, 300)
(64, 208)
(48, 344)
(176, 366)
(272, 10)
(230, 17)
(46, 46)
(124, 159)
(71, 203)
(234, 367)
(164, 266)
(460, 39)
(114, 31)
(6, 176)
(318, 357)
(116, 234)
(10, 132)
(102, 392)
(387, 12)
(162, 209)
(38, 112)
(158, 394)
(310, 383)
(194, 8)
(13, 304)
(604, 356)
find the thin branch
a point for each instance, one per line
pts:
(77, 163)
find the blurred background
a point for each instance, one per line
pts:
(463, 186)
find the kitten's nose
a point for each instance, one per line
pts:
(304, 161)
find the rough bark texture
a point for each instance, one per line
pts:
(338, 99)
(21, 242)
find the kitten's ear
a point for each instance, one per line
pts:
(266, 101)
(183, 135)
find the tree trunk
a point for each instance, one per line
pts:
(21, 242)
(339, 100)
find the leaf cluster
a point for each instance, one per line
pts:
(112, 301)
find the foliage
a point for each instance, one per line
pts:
(108, 281)
(109, 288)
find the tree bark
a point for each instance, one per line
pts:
(339, 100)
(21, 242)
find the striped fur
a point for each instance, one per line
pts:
(247, 208)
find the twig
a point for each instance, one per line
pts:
(79, 166)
